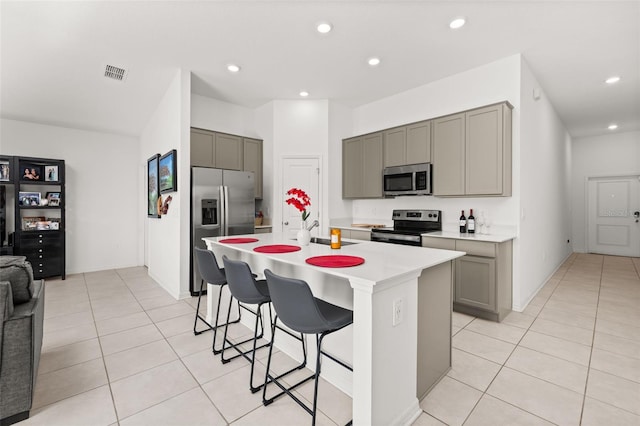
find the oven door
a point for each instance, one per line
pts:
(391, 237)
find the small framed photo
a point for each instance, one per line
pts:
(167, 172)
(152, 187)
(51, 174)
(5, 171)
(31, 172)
(53, 199)
(30, 223)
(29, 198)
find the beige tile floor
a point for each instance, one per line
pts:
(118, 350)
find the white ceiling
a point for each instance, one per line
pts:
(53, 54)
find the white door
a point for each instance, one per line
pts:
(301, 173)
(613, 215)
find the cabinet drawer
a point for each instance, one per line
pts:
(46, 268)
(439, 243)
(42, 239)
(476, 248)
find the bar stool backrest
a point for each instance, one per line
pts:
(295, 304)
(241, 282)
(208, 267)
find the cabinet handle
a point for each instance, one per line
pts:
(40, 241)
(40, 236)
(40, 256)
(40, 251)
(40, 270)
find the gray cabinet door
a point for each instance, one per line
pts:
(395, 147)
(476, 282)
(449, 155)
(372, 153)
(484, 151)
(352, 167)
(419, 143)
(228, 152)
(252, 162)
(202, 143)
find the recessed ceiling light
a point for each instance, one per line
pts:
(324, 27)
(612, 126)
(304, 94)
(457, 23)
(233, 68)
(374, 61)
(612, 80)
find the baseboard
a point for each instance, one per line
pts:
(14, 419)
(517, 308)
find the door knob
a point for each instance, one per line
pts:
(286, 223)
(637, 215)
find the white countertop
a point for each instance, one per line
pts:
(489, 238)
(382, 261)
(348, 224)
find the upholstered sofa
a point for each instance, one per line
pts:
(22, 307)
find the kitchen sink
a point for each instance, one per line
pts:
(327, 241)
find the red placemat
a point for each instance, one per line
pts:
(238, 240)
(335, 261)
(277, 248)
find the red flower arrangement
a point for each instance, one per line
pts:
(300, 200)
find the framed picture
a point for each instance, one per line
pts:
(29, 198)
(153, 191)
(5, 171)
(51, 174)
(53, 199)
(167, 172)
(30, 223)
(31, 172)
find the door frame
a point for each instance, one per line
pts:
(587, 219)
(281, 193)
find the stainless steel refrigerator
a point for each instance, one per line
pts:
(222, 203)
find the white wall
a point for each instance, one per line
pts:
(264, 128)
(102, 197)
(545, 206)
(300, 128)
(165, 237)
(212, 114)
(340, 127)
(613, 154)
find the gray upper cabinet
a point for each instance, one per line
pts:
(488, 151)
(252, 152)
(449, 155)
(202, 143)
(228, 152)
(409, 144)
(224, 151)
(395, 147)
(419, 142)
(362, 163)
(472, 152)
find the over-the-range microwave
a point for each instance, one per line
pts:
(412, 179)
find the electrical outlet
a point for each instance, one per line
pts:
(397, 312)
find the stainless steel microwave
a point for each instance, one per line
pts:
(413, 179)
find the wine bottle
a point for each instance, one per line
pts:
(471, 223)
(463, 223)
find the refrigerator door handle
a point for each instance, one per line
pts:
(221, 210)
(225, 209)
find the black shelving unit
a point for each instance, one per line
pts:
(40, 225)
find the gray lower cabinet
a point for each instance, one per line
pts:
(362, 164)
(483, 277)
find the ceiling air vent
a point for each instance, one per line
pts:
(115, 73)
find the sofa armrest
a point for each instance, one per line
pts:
(6, 302)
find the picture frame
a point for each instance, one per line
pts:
(5, 170)
(30, 223)
(29, 199)
(51, 173)
(31, 172)
(167, 172)
(153, 186)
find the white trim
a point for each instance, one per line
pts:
(280, 192)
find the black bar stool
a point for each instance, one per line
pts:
(247, 290)
(213, 274)
(299, 310)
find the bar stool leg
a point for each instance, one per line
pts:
(198, 316)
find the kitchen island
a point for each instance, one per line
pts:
(400, 340)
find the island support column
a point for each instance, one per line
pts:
(384, 354)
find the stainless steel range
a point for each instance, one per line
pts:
(408, 225)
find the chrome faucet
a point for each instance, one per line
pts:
(313, 225)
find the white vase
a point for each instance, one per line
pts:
(303, 236)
